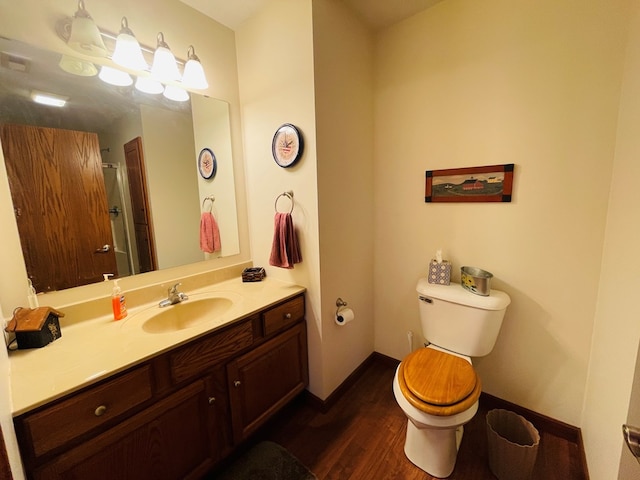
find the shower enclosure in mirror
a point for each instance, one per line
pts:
(146, 211)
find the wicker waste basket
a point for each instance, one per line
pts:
(513, 445)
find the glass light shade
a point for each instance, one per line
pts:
(164, 66)
(116, 77)
(193, 76)
(175, 93)
(78, 67)
(85, 36)
(128, 52)
(149, 85)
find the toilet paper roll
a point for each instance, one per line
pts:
(344, 316)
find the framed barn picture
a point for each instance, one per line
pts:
(492, 183)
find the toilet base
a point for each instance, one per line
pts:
(433, 450)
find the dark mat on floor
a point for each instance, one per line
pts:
(266, 461)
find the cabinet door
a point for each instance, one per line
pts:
(169, 440)
(265, 379)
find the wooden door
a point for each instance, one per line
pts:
(59, 197)
(143, 227)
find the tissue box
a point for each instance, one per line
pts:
(439, 273)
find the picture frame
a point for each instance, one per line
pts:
(207, 164)
(491, 183)
(287, 145)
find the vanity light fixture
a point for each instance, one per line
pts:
(193, 76)
(164, 66)
(177, 94)
(51, 99)
(77, 66)
(149, 85)
(128, 52)
(164, 76)
(85, 36)
(113, 76)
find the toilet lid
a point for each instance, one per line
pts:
(438, 378)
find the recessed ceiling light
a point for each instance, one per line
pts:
(50, 99)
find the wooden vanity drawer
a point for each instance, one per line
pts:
(63, 421)
(202, 354)
(283, 315)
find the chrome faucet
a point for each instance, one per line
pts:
(174, 297)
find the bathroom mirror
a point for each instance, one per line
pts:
(171, 136)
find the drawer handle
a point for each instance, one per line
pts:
(237, 383)
(212, 400)
(287, 316)
(101, 410)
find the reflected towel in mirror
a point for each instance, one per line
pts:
(285, 250)
(209, 233)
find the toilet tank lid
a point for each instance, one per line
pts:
(454, 293)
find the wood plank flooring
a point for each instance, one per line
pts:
(362, 437)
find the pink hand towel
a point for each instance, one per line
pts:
(209, 233)
(285, 250)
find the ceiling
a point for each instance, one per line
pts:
(376, 14)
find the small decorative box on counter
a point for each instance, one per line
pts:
(439, 273)
(35, 327)
(253, 274)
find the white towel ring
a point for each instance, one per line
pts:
(289, 195)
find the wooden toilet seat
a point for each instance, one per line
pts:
(438, 383)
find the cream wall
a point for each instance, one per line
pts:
(470, 83)
(275, 70)
(343, 65)
(616, 331)
(317, 75)
(170, 166)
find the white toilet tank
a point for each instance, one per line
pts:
(460, 321)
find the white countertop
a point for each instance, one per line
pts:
(91, 350)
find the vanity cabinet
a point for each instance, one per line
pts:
(266, 378)
(175, 415)
(168, 440)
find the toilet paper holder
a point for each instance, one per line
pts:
(340, 304)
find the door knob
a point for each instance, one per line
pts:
(104, 249)
(236, 383)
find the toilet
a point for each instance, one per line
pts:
(437, 386)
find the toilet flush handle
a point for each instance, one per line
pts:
(425, 299)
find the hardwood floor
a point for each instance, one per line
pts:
(362, 437)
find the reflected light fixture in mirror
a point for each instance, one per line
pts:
(128, 52)
(149, 85)
(50, 99)
(78, 67)
(85, 36)
(176, 94)
(116, 77)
